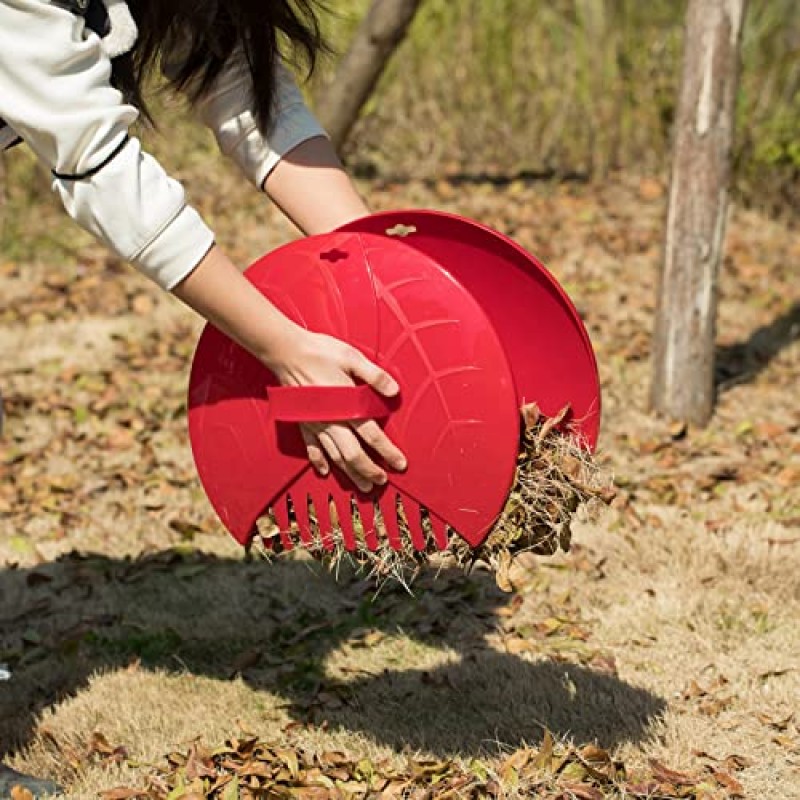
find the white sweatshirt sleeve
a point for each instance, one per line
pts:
(227, 109)
(55, 93)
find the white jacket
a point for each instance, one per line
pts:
(55, 93)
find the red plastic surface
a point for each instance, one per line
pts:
(315, 403)
(457, 418)
(541, 332)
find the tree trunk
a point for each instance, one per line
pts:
(683, 378)
(341, 101)
(3, 188)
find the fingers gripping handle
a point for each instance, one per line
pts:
(328, 403)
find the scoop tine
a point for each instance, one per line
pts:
(413, 515)
(344, 514)
(366, 510)
(281, 513)
(322, 510)
(439, 532)
(388, 506)
(303, 521)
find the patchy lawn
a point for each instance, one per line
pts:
(667, 640)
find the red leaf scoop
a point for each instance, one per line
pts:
(457, 416)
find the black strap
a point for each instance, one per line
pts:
(62, 176)
(97, 18)
(93, 11)
(75, 6)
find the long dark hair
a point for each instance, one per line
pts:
(207, 32)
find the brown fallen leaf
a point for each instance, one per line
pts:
(531, 415)
(552, 422)
(787, 743)
(733, 762)
(395, 790)
(100, 745)
(713, 706)
(736, 763)
(728, 782)
(544, 757)
(778, 542)
(663, 773)
(121, 793)
(582, 791)
(778, 723)
(518, 760)
(640, 790)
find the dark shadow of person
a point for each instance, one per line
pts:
(276, 624)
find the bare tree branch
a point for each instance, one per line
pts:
(341, 101)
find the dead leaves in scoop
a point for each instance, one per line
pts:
(556, 476)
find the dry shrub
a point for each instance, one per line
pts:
(556, 477)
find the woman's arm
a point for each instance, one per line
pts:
(55, 92)
(312, 188)
(294, 163)
(297, 357)
(57, 96)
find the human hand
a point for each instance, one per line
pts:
(314, 359)
(297, 357)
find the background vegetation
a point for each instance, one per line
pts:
(561, 88)
(571, 87)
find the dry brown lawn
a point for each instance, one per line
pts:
(670, 632)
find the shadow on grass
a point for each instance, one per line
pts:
(369, 171)
(275, 625)
(744, 361)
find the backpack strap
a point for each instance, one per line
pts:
(75, 6)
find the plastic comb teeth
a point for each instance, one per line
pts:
(389, 520)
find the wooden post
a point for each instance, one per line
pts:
(683, 376)
(340, 101)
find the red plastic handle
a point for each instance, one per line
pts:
(327, 403)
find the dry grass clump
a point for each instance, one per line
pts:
(556, 476)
